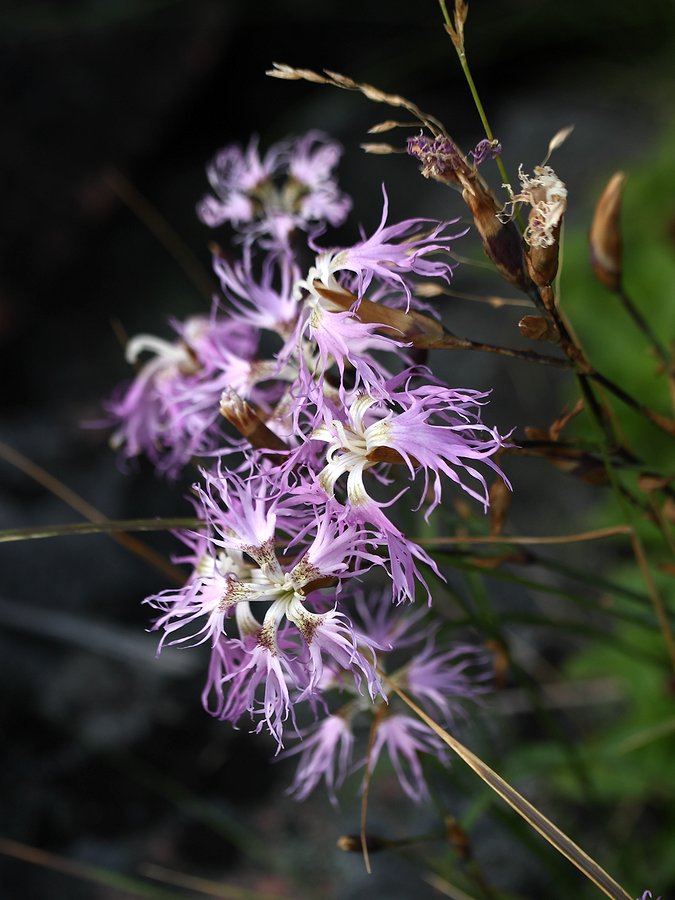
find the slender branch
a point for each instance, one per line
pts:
(643, 326)
(450, 342)
(115, 882)
(581, 536)
(116, 528)
(167, 236)
(464, 63)
(85, 509)
(662, 422)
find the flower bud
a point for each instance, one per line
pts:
(245, 419)
(501, 240)
(546, 194)
(604, 238)
(351, 843)
(538, 328)
(542, 261)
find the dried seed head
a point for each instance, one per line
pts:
(547, 195)
(441, 158)
(604, 238)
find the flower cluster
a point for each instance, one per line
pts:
(266, 199)
(312, 427)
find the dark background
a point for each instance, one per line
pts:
(110, 112)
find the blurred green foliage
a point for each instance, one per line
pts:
(627, 743)
(614, 345)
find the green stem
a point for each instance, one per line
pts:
(637, 546)
(642, 325)
(464, 63)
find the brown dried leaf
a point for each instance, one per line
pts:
(538, 328)
(564, 419)
(649, 483)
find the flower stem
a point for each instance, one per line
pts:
(643, 326)
(464, 63)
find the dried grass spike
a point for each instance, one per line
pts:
(281, 70)
(557, 140)
(388, 126)
(342, 80)
(380, 149)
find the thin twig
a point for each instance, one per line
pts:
(450, 342)
(80, 505)
(114, 528)
(582, 536)
(84, 871)
(464, 63)
(595, 535)
(643, 326)
(167, 236)
(367, 776)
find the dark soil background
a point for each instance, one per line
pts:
(110, 111)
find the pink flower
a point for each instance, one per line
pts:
(312, 161)
(267, 200)
(404, 739)
(268, 303)
(342, 338)
(171, 409)
(391, 252)
(326, 753)
(439, 679)
(235, 175)
(332, 635)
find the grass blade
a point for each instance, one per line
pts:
(523, 807)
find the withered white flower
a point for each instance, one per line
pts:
(547, 195)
